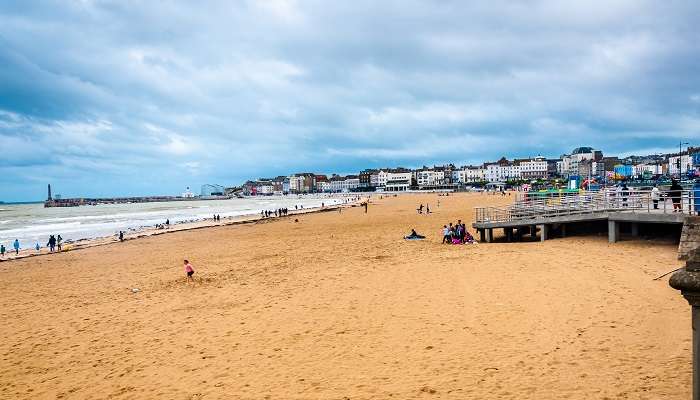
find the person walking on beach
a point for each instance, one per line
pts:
(675, 191)
(16, 246)
(655, 196)
(121, 236)
(189, 271)
(2, 250)
(59, 241)
(38, 248)
(445, 234)
(427, 208)
(51, 244)
(420, 209)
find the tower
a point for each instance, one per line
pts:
(49, 199)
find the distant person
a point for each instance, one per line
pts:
(676, 191)
(446, 234)
(16, 246)
(51, 244)
(59, 243)
(37, 247)
(366, 203)
(655, 197)
(468, 238)
(427, 208)
(189, 271)
(2, 250)
(167, 222)
(121, 236)
(414, 235)
(420, 209)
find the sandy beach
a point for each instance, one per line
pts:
(338, 306)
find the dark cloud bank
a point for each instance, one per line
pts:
(115, 98)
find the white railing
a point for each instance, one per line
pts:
(591, 202)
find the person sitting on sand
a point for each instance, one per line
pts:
(189, 271)
(414, 235)
(468, 238)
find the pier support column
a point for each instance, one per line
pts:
(489, 235)
(563, 230)
(634, 229)
(687, 280)
(508, 232)
(533, 231)
(613, 231)
(544, 230)
(482, 235)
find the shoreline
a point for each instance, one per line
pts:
(144, 232)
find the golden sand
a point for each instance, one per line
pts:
(338, 306)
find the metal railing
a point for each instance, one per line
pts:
(608, 200)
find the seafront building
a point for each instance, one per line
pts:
(581, 164)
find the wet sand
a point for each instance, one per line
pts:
(338, 306)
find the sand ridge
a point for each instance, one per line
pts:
(338, 306)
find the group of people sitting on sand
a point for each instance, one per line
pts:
(456, 234)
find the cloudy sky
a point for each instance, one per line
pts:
(142, 97)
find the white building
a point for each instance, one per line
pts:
(342, 184)
(561, 168)
(296, 184)
(264, 188)
(502, 171)
(187, 193)
(570, 162)
(641, 169)
(468, 174)
(396, 181)
(533, 168)
(430, 177)
(324, 186)
(686, 164)
(384, 177)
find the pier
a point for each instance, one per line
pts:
(530, 216)
(76, 202)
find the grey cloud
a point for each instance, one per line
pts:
(246, 88)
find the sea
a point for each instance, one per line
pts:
(32, 223)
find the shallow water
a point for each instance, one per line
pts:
(32, 223)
